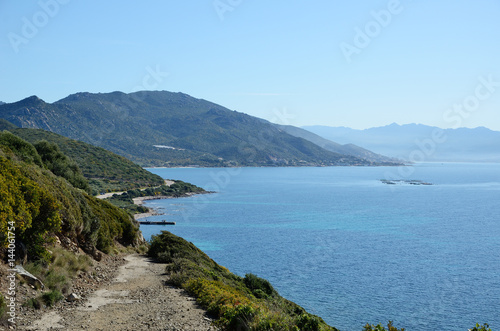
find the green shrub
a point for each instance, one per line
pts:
(56, 278)
(478, 327)
(260, 287)
(29, 205)
(50, 298)
(19, 147)
(63, 267)
(239, 317)
(218, 298)
(181, 270)
(142, 209)
(53, 277)
(70, 261)
(271, 321)
(165, 247)
(106, 223)
(308, 322)
(61, 165)
(33, 303)
(379, 327)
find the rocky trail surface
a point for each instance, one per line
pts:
(135, 299)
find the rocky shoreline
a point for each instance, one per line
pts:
(153, 212)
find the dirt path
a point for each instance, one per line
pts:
(137, 299)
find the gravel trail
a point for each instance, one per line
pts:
(136, 299)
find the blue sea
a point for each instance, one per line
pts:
(349, 248)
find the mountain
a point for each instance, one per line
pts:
(347, 149)
(1, 102)
(435, 144)
(159, 128)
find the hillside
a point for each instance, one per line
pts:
(462, 144)
(41, 205)
(237, 303)
(170, 129)
(347, 149)
(51, 228)
(106, 171)
(6, 125)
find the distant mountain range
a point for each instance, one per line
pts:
(160, 128)
(404, 141)
(1, 102)
(348, 149)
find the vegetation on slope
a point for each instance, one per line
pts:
(41, 205)
(56, 276)
(175, 190)
(238, 303)
(6, 125)
(104, 170)
(27, 210)
(61, 165)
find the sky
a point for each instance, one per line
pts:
(357, 64)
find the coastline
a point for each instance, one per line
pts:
(139, 201)
(374, 164)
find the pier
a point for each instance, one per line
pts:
(156, 223)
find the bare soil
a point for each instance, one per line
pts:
(127, 293)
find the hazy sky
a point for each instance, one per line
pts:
(330, 62)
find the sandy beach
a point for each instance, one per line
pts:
(152, 212)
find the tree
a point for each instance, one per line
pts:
(26, 207)
(61, 165)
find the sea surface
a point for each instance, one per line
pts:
(350, 248)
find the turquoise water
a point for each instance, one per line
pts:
(349, 248)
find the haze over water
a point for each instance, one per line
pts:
(349, 248)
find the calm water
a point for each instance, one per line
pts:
(351, 249)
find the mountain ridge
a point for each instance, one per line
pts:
(190, 131)
(348, 149)
(478, 144)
